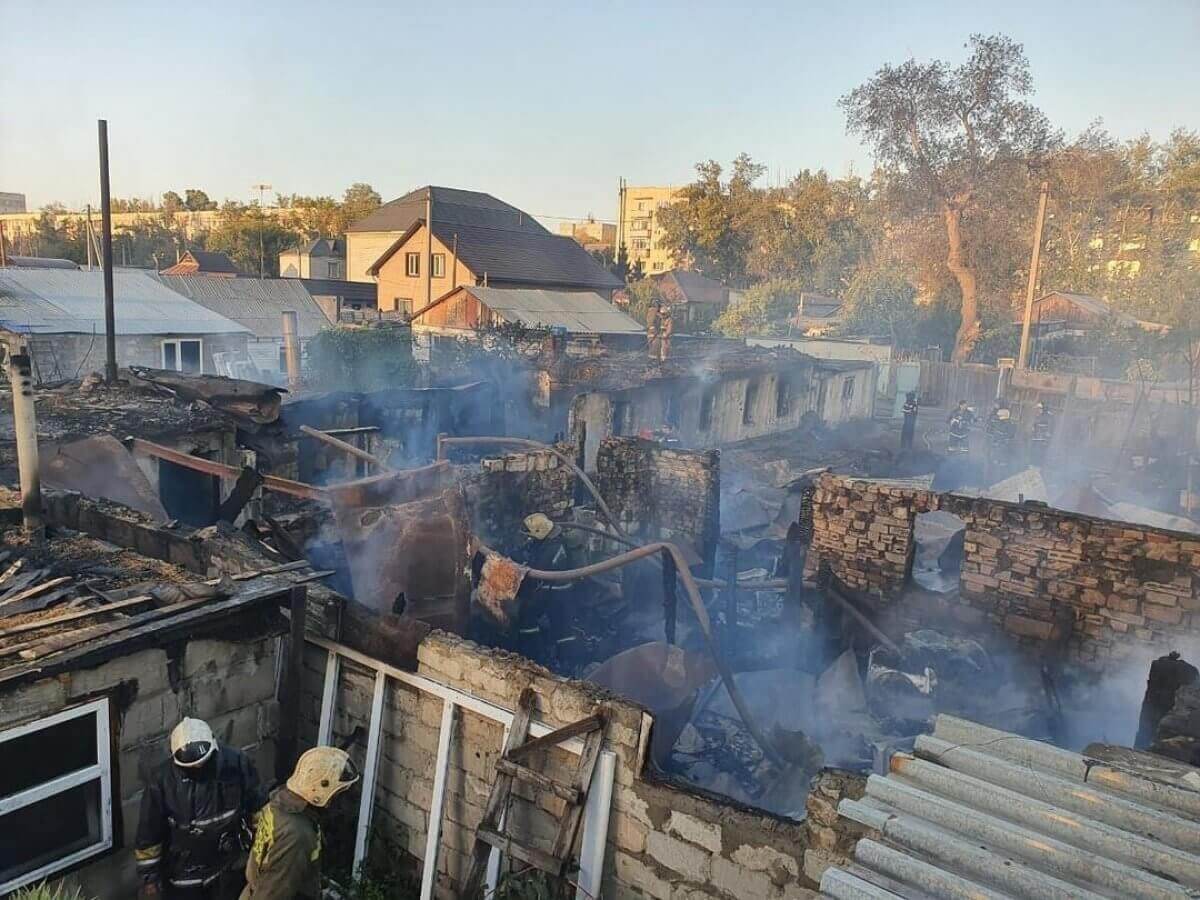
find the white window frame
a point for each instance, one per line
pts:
(412, 265)
(100, 771)
(435, 270)
(178, 355)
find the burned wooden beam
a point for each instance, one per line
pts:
(243, 490)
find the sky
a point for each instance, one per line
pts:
(544, 105)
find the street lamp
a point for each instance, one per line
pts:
(262, 189)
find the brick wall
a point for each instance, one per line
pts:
(1102, 589)
(230, 684)
(509, 488)
(863, 529)
(663, 842)
(662, 494)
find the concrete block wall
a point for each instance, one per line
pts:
(230, 684)
(1097, 588)
(663, 842)
(662, 494)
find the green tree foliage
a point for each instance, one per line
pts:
(238, 233)
(883, 303)
(946, 136)
(196, 200)
(362, 358)
(764, 309)
(359, 200)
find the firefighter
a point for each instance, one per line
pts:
(668, 328)
(195, 816)
(285, 860)
(1039, 439)
(653, 320)
(1000, 431)
(960, 421)
(910, 420)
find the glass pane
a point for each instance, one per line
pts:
(170, 358)
(49, 830)
(189, 355)
(41, 755)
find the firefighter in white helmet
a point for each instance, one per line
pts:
(285, 861)
(194, 825)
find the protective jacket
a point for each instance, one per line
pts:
(193, 820)
(285, 861)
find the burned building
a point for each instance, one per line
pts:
(706, 396)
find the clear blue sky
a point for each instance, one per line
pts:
(542, 104)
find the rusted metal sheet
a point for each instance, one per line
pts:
(499, 581)
(392, 487)
(409, 558)
(101, 467)
(250, 400)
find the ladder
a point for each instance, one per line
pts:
(509, 768)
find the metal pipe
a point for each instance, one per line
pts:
(345, 447)
(20, 378)
(693, 594)
(291, 348)
(110, 317)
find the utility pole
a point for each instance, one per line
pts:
(262, 224)
(88, 237)
(1031, 287)
(110, 318)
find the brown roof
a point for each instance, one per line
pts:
(203, 262)
(693, 287)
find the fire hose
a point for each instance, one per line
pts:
(692, 589)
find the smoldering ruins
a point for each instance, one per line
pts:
(719, 562)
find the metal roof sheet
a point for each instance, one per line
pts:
(982, 813)
(68, 301)
(577, 311)
(256, 303)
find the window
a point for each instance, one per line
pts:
(848, 388)
(403, 305)
(707, 401)
(439, 265)
(183, 356)
(671, 416)
(750, 401)
(412, 264)
(55, 794)
(334, 269)
(783, 398)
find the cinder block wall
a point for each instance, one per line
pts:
(508, 488)
(662, 494)
(229, 684)
(1102, 589)
(663, 842)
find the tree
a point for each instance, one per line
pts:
(710, 226)
(764, 309)
(945, 133)
(359, 200)
(172, 202)
(196, 200)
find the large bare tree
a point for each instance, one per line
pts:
(946, 134)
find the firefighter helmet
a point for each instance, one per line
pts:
(321, 774)
(192, 743)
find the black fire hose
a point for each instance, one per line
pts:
(693, 594)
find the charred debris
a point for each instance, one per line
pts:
(647, 526)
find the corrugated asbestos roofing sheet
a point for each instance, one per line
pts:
(256, 303)
(981, 813)
(66, 301)
(577, 311)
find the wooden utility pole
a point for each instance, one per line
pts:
(110, 323)
(1031, 287)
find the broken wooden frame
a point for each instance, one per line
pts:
(599, 799)
(220, 470)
